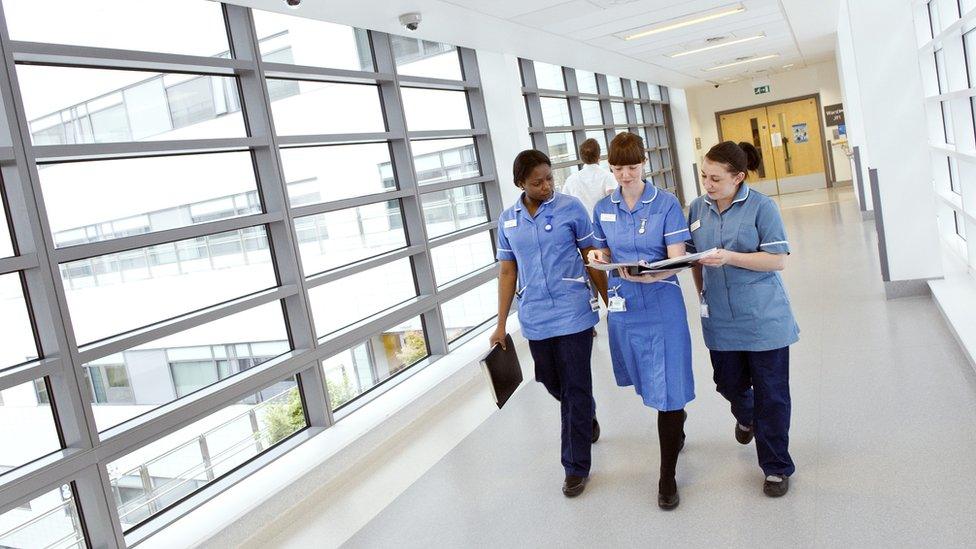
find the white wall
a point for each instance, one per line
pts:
(820, 78)
(508, 122)
(892, 102)
(684, 142)
(851, 91)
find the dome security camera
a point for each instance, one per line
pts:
(410, 20)
(717, 85)
(293, 4)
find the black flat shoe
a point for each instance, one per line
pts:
(573, 486)
(776, 485)
(743, 436)
(667, 501)
(596, 431)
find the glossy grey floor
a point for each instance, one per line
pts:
(883, 434)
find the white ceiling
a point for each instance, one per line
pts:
(587, 33)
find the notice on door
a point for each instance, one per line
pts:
(800, 133)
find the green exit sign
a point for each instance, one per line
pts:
(759, 90)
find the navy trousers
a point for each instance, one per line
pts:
(757, 384)
(562, 365)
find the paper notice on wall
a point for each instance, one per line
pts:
(800, 133)
(777, 139)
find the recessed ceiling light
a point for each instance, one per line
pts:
(686, 22)
(717, 46)
(742, 62)
(790, 66)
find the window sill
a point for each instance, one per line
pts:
(954, 294)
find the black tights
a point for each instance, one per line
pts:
(671, 434)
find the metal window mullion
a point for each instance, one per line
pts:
(575, 110)
(133, 149)
(286, 71)
(334, 138)
(606, 109)
(273, 188)
(87, 56)
(18, 262)
(630, 106)
(48, 303)
(534, 105)
(412, 206)
(26, 373)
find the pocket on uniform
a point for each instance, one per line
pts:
(750, 300)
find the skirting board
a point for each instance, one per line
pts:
(895, 289)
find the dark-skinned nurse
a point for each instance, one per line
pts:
(540, 239)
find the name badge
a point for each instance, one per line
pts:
(696, 225)
(511, 223)
(616, 304)
(608, 217)
(594, 304)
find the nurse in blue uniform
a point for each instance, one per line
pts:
(746, 317)
(650, 345)
(540, 239)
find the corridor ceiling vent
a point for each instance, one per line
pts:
(742, 61)
(716, 46)
(681, 22)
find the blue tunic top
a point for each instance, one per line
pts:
(650, 346)
(747, 310)
(553, 291)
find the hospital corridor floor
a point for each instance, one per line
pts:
(883, 434)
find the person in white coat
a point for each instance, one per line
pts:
(593, 182)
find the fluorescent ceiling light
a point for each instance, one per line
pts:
(788, 66)
(717, 46)
(685, 22)
(753, 60)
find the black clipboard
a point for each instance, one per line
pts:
(502, 368)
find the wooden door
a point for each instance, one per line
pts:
(752, 126)
(797, 141)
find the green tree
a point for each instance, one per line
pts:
(283, 417)
(414, 348)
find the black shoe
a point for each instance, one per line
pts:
(596, 431)
(776, 485)
(667, 501)
(744, 436)
(573, 486)
(594, 332)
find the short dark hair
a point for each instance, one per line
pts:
(590, 151)
(525, 162)
(626, 149)
(742, 157)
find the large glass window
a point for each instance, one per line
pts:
(615, 86)
(312, 42)
(336, 305)
(138, 380)
(470, 310)
(48, 520)
(549, 77)
(453, 209)
(439, 160)
(435, 109)
(26, 425)
(105, 105)
(121, 24)
(115, 293)
(619, 111)
(458, 258)
(108, 199)
(327, 107)
(562, 146)
(351, 373)
(323, 174)
(586, 82)
(416, 57)
(336, 238)
(592, 112)
(555, 111)
(17, 344)
(155, 477)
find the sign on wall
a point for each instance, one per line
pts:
(834, 114)
(760, 87)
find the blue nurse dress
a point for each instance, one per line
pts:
(650, 346)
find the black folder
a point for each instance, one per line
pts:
(503, 371)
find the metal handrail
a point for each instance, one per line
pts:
(34, 520)
(188, 474)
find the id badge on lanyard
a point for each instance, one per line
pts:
(616, 304)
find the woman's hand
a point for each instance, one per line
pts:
(718, 259)
(647, 278)
(596, 256)
(498, 337)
